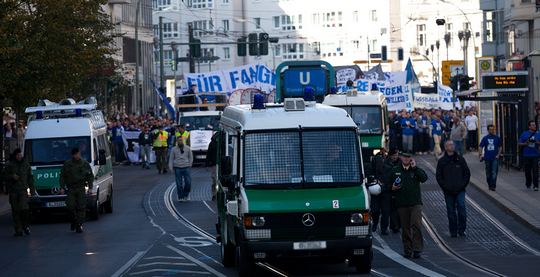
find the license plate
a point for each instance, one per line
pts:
(56, 204)
(200, 157)
(309, 245)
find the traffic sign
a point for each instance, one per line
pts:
(295, 80)
(450, 69)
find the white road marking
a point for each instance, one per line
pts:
(129, 264)
(393, 255)
(201, 264)
(166, 263)
(164, 257)
(169, 271)
(157, 226)
(208, 206)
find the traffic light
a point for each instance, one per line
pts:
(384, 53)
(263, 44)
(464, 82)
(454, 82)
(195, 49)
(241, 50)
(400, 54)
(173, 65)
(253, 44)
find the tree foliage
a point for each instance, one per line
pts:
(51, 48)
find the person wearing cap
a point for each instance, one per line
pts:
(183, 134)
(19, 179)
(406, 179)
(75, 176)
(392, 160)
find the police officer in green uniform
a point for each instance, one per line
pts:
(19, 179)
(76, 174)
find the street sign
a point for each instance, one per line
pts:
(375, 56)
(451, 69)
(295, 80)
(507, 81)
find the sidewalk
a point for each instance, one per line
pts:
(4, 204)
(511, 194)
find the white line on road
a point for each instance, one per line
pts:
(166, 263)
(169, 271)
(201, 264)
(393, 255)
(208, 206)
(157, 226)
(131, 262)
(164, 257)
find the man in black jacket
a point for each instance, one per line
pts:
(453, 176)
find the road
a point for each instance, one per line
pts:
(152, 234)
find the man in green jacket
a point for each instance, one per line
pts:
(19, 179)
(76, 174)
(405, 180)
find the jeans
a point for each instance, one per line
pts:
(182, 174)
(408, 143)
(145, 154)
(492, 168)
(119, 151)
(459, 146)
(456, 211)
(530, 165)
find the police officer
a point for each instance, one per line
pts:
(392, 160)
(76, 174)
(380, 204)
(18, 176)
(184, 134)
(161, 138)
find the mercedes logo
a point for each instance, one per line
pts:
(55, 190)
(308, 219)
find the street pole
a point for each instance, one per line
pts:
(438, 46)
(191, 60)
(138, 91)
(368, 52)
(161, 65)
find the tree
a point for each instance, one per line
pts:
(52, 48)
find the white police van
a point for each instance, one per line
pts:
(53, 130)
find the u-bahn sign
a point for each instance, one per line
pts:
(508, 81)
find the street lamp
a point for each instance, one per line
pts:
(138, 91)
(465, 36)
(447, 38)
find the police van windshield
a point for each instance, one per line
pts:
(300, 159)
(200, 122)
(51, 151)
(367, 118)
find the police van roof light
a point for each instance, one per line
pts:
(258, 102)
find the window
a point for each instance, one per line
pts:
(375, 45)
(170, 30)
(55, 150)
(202, 27)
(257, 21)
(226, 53)
(356, 44)
(368, 119)
(277, 50)
(226, 25)
(466, 26)
(421, 35)
(355, 16)
(207, 52)
(373, 15)
(332, 19)
(200, 4)
(161, 4)
(276, 22)
(292, 51)
(225, 1)
(290, 22)
(489, 26)
(315, 18)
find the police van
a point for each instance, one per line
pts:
(291, 184)
(53, 130)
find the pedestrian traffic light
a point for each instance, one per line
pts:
(400, 54)
(195, 48)
(454, 82)
(253, 40)
(241, 50)
(384, 53)
(263, 44)
(464, 82)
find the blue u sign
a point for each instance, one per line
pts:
(296, 79)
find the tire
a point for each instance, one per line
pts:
(95, 210)
(108, 206)
(363, 263)
(244, 262)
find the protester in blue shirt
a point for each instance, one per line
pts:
(118, 142)
(530, 140)
(436, 133)
(490, 151)
(408, 126)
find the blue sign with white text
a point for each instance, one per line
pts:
(295, 80)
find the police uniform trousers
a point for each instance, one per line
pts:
(161, 158)
(380, 209)
(19, 209)
(411, 228)
(76, 204)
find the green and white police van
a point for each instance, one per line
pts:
(53, 130)
(291, 184)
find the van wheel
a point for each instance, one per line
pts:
(95, 209)
(108, 206)
(363, 263)
(244, 262)
(228, 254)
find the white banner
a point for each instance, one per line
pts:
(200, 139)
(426, 101)
(257, 76)
(445, 98)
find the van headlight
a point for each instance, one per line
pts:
(359, 218)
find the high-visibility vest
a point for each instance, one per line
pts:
(184, 136)
(161, 140)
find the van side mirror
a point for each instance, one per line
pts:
(226, 166)
(102, 157)
(229, 181)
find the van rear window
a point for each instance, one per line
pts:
(51, 151)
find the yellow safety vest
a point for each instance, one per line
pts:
(161, 140)
(184, 136)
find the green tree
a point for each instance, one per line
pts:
(52, 48)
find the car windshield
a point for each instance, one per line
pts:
(308, 158)
(200, 122)
(367, 118)
(51, 151)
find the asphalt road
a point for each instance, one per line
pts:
(152, 234)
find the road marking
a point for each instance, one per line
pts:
(201, 264)
(129, 264)
(164, 257)
(393, 255)
(169, 271)
(193, 241)
(157, 226)
(208, 206)
(166, 263)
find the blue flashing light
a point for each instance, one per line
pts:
(309, 94)
(333, 90)
(374, 87)
(39, 115)
(78, 112)
(258, 102)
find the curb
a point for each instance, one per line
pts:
(506, 205)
